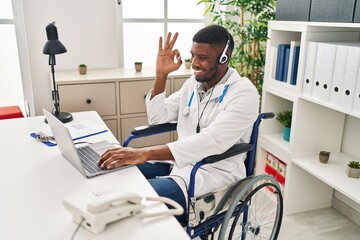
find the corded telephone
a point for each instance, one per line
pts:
(93, 210)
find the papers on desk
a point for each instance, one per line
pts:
(78, 130)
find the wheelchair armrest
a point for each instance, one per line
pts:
(234, 150)
(154, 129)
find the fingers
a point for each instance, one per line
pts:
(160, 43)
(169, 43)
(117, 157)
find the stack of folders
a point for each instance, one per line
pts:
(286, 57)
(332, 74)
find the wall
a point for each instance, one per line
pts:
(87, 28)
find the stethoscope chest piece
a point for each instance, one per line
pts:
(186, 111)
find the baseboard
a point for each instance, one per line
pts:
(346, 210)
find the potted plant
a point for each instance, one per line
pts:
(353, 169)
(324, 156)
(284, 117)
(138, 66)
(187, 63)
(82, 68)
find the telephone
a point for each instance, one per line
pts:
(93, 210)
(96, 209)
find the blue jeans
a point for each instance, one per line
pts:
(165, 187)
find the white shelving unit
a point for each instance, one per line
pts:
(316, 125)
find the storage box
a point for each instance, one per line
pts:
(293, 10)
(332, 10)
(357, 12)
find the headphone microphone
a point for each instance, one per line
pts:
(223, 57)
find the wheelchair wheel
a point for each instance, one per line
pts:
(256, 212)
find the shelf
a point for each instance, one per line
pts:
(332, 173)
(327, 105)
(276, 145)
(282, 89)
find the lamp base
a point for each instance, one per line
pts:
(64, 117)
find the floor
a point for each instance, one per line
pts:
(323, 224)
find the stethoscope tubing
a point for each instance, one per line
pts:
(186, 111)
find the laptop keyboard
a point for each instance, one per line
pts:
(89, 157)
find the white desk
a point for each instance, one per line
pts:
(34, 179)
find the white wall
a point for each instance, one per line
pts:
(87, 28)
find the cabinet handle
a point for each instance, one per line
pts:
(88, 101)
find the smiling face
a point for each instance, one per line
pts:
(204, 61)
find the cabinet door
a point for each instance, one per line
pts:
(127, 124)
(100, 97)
(112, 125)
(132, 95)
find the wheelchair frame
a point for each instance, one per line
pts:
(240, 194)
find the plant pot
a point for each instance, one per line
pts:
(138, 67)
(187, 65)
(82, 70)
(324, 159)
(352, 172)
(286, 134)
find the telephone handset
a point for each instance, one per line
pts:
(112, 199)
(94, 210)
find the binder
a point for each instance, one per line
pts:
(309, 68)
(273, 58)
(280, 61)
(338, 75)
(295, 65)
(286, 65)
(293, 44)
(327, 72)
(319, 65)
(350, 77)
(356, 103)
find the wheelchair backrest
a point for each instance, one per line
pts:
(250, 159)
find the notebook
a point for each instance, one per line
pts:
(85, 158)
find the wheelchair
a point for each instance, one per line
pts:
(251, 208)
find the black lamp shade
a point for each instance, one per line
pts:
(53, 46)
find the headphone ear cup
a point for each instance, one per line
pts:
(223, 58)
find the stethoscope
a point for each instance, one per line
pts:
(186, 110)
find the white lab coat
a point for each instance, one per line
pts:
(222, 125)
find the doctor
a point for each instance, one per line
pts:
(215, 108)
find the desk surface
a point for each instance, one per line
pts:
(34, 179)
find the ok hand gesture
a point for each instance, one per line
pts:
(168, 60)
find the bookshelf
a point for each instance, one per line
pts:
(316, 125)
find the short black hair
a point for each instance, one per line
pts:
(214, 35)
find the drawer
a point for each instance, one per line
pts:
(127, 124)
(132, 95)
(99, 97)
(113, 126)
(178, 82)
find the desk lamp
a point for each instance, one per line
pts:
(52, 47)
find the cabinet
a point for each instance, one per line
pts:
(316, 125)
(118, 95)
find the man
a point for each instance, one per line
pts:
(215, 108)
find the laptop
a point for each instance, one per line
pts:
(84, 158)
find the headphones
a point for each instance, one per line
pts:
(223, 57)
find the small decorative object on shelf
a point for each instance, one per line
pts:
(82, 69)
(284, 117)
(138, 66)
(187, 63)
(324, 156)
(353, 169)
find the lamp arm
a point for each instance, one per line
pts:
(55, 93)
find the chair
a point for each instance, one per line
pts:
(234, 213)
